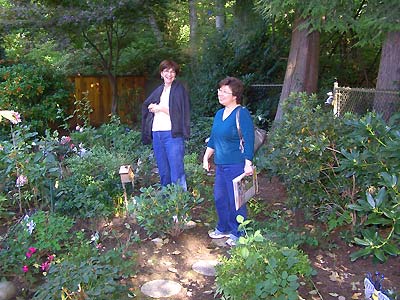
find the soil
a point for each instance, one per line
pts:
(337, 277)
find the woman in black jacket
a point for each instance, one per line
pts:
(166, 122)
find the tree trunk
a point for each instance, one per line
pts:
(156, 30)
(220, 14)
(193, 27)
(114, 93)
(389, 77)
(302, 67)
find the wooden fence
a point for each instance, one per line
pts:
(131, 92)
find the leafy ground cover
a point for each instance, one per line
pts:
(337, 277)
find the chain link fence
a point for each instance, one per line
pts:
(360, 100)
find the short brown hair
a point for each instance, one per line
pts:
(236, 86)
(169, 64)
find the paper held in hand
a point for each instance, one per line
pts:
(244, 188)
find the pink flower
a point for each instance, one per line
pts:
(65, 140)
(21, 180)
(45, 266)
(50, 258)
(25, 269)
(32, 249)
(16, 117)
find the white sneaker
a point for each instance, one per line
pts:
(216, 234)
(231, 242)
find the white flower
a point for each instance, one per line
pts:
(175, 218)
(21, 180)
(95, 237)
(31, 226)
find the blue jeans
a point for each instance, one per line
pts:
(225, 200)
(169, 153)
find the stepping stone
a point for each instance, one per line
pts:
(160, 288)
(205, 267)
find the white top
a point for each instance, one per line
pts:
(162, 121)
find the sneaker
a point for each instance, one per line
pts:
(216, 234)
(231, 242)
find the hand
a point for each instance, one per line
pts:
(206, 164)
(154, 108)
(248, 169)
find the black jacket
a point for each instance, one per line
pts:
(179, 112)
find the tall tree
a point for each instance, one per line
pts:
(193, 26)
(220, 14)
(303, 61)
(302, 66)
(380, 24)
(367, 20)
(103, 27)
(389, 77)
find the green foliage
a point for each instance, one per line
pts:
(39, 94)
(91, 183)
(97, 276)
(35, 158)
(277, 228)
(302, 151)
(48, 233)
(164, 210)
(261, 269)
(228, 53)
(329, 163)
(197, 180)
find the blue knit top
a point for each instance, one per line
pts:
(225, 139)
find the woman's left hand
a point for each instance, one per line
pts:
(248, 168)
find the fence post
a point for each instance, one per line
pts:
(335, 99)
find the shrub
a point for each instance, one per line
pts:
(90, 184)
(164, 210)
(260, 269)
(96, 277)
(342, 169)
(47, 233)
(40, 94)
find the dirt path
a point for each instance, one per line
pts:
(338, 277)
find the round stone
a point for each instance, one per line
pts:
(160, 288)
(205, 267)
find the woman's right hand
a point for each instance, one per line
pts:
(206, 164)
(206, 158)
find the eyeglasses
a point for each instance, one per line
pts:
(224, 92)
(170, 71)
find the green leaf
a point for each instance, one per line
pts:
(240, 219)
(391, 249)
(244, 252)
(360, 253)
(370, 200)
(362, 242)
(379, 254)
(380, 197)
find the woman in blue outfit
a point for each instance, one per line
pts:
(166, 123)
(230, 161)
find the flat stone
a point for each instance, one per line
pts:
(7, 290)
(205, 267)
(160, 288)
